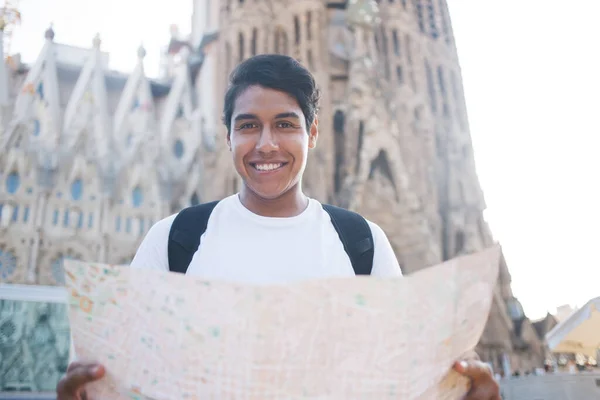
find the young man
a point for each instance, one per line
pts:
(270, 232)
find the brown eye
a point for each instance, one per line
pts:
(248, 125)
(285, 125)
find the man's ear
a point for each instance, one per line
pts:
(228, 139)
(313, 134)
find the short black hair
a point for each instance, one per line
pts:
(278, 72)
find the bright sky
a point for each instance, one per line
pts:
(531, 70)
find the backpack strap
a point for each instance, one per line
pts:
(356, 236)
(184, 238)
(190, 224)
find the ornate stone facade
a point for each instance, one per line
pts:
(92, 158)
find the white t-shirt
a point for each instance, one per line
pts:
(242, 247)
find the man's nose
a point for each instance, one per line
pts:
(267, 142)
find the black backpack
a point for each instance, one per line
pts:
(190, 224)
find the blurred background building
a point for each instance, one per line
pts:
(91, 158)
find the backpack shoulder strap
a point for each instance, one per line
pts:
(355, 233)
(184, 238)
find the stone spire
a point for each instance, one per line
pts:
(4, 89)
(134, 117)
(87, 119)
(38, 105)
(176, 123)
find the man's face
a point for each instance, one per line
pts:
(269, 141)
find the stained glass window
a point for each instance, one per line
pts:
(76, 189)
(178, 148)
(137, 197)
(36, 127)
(57, 269)
(195, 200)
(40, 90)
(13, 181)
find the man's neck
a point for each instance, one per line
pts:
(291, 203)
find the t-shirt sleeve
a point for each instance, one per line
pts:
(385, 263)
(152, 253)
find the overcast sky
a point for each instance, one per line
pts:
(531, 74)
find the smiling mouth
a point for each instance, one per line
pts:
(268, 167)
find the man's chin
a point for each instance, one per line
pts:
(268, 193)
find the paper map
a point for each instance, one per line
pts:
(162, 335)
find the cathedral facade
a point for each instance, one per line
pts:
(91, 158)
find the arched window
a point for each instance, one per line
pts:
(420, 17)
(194, 200)
(442, 85)
(13, 181)
(57, 268)
(254, 41)
(339, 122)
(180, 111)
(399, 74)
(396, 42)
(459, 242)
(137, 197)
(178, 148)
(431, 88)
(40, 90)
(281, 41)
(444, 20)
(76, 189)
(36, 127)
(296, 30)
(433, 29)
(8, 264)
(240, 47)
(15, 215)
(142, 226)
(361, 138)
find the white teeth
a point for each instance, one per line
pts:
(267, 167)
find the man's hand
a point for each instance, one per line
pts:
(483, 384)
(71, 386)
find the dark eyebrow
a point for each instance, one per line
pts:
(287, 115)
(241, 117)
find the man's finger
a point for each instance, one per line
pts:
(473, 369)
(78, 376)
(478, 394)
(483, 384)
